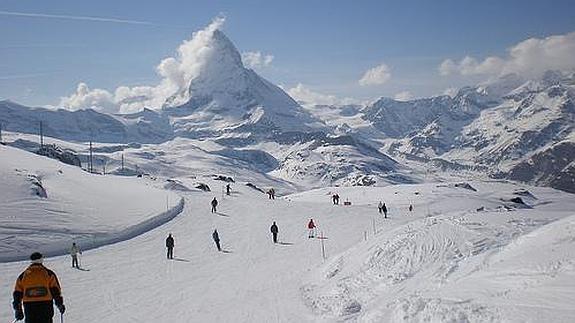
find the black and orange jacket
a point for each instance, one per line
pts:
(37, 284)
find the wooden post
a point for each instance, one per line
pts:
(322, 246)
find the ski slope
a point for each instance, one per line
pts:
(45, 205)
(445, 261)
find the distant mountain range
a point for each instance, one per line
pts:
(509, 128)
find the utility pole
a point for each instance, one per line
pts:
(122, 162)
(90, 162)
(41, 135)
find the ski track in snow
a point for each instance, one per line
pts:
(445, 262)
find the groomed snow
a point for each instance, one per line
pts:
(445, 261)
(45, 205)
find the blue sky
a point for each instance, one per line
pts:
(327, 46)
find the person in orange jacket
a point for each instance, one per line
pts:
(36, 288)
(311, 227)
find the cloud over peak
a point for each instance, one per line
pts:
(175, 72)
(256, 59)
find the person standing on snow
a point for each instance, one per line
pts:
(410, 208)
(228, 189)
(214, 205)
(74, 251)
(311, 228)
(380, 207)
(170, 246)
(216, 238)
(37, 288)
(384, 209)
(274, 230)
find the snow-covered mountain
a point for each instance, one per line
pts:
(227, 98)
(146, 126)
(498, 125)
(244, 115)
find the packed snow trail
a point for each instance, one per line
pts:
(459, 256)
(253, 280)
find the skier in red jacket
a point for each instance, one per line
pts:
(311, 227)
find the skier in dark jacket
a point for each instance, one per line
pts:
(335, 199)
(214, 205)
(384, 209)
(228, 189)
(274, 230)
(216, 238)
(36, 288)
(410, 208)
(170, 246)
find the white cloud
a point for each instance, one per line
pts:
(376, 75)
(450, 91)
(84, 98)
(175, 72)
(403, 96)
(256, 59)
(303, 94)
(530, 57)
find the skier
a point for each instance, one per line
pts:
(271, 194)
(216, 238)
(384, 209)
(274, 230)
(380, 207)
(74, 251)
(410, 208)
(335, 199)
(170, 246)
(36, 288)
(311, 227)
(228, 189)
(214, 204)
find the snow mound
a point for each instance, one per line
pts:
(45, 205)
(436, 268)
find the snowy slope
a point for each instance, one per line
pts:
(44, 205)
(424, 266)
(463, 256)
